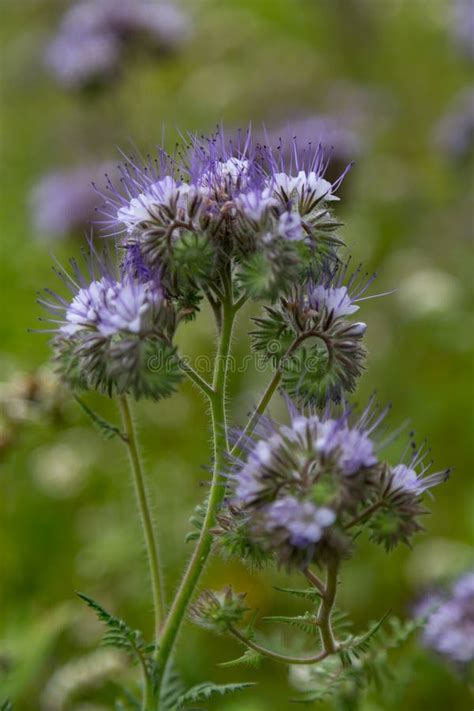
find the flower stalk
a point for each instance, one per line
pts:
(326, 607)
(145, 513)
(217, 490)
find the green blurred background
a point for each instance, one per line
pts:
(385, 72)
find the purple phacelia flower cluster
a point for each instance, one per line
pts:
(318, 313)
(300, 488)
(214, 208)
(93, 36)
(301, 522)
(111, 328)
(449, 629)
(240, 202)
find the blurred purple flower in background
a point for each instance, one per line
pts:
(64, 202)
(462, 24)
(92, 37)
(78, 60)
(449, 629)
(454, 132)
(330, 130)
(347, 123)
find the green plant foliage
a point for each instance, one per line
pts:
(249, 658)
(206, 690)
(106, 429)
(354, 647)
(172, 689)
(305, 594)
(197, 520)
(306, 623)
(121, 636)
(362, 662)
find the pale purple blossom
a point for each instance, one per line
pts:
(103, 303)
(290, 227)
(303, 522)
(335, 300)
(146, 206)
(112, 307)
(406, 478)
(278, 461)
(255, 204)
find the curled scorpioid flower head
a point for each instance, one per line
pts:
(299, 491)
(296, 483)
(110, 328)
(228, 195)
(312, 337)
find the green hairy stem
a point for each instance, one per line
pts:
(202, 550)
(145, 513)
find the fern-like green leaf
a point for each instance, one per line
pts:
(305, 594)
(355, 646)
(172, 689)
(204, 691)
(121, 636)
(106, 429)
(306, 623)
(363, 661)
(197, 520)
(249, 658)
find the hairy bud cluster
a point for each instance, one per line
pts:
(300, 489)
(217, 610)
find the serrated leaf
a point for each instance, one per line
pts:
(105, 428)
(172, 688)
(369, 665)
(356, 646)
(204, 691)
(305, 594)
(306, 623)
(340, 622)
(121, 636)
(197, 520)
(249, 658)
